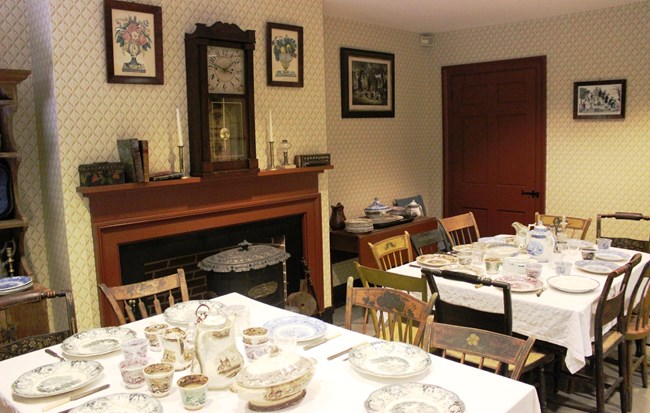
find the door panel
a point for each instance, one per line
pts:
(494, 119)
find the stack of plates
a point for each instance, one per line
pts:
(14, 284)
(358, 225)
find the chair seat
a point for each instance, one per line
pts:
(534, 359)
(611, 339)
(635, 332)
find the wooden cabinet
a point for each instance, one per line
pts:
(12, 223)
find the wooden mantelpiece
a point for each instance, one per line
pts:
(129, 213)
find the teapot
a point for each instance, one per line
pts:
(216, 350)
(541, 242)
(413, 209)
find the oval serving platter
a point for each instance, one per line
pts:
(575, 284)
(436, 260)
(413, 397)
(96, 341)
(611, 255)
(56, 378)
(596, 267)
(389, 359)
(121, 402)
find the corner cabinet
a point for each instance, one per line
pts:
(12, 224)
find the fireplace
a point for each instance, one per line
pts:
(127, 214)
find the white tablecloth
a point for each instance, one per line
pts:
(556, 317)
(336, 386)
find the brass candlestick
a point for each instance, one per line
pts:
(181, 165)
(271, 161)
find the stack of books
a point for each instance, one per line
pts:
(134, 154)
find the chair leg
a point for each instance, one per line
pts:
(622, 374)
(644, 364)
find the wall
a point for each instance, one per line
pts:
(593, 166)
(88, 114)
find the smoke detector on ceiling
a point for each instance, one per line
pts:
(426, 40)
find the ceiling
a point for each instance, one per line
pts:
(435, 16)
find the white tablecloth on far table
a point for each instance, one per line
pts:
(336, 386)
(556, 317)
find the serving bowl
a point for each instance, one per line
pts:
(376, 208)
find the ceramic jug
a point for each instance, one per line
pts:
(337, 219)
(216, 351)
(175, 350)
(541, 242)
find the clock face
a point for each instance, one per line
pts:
(225, 70)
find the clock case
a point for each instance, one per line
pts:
(196, 44)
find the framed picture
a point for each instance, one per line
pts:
(602, 99)
(367, 84)
(134, 51)
(284, 56)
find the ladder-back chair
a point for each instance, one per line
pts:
(576, 227)
(460, 229)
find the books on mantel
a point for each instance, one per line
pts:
(165, 176)
(134, 154)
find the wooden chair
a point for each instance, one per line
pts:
(430, 242)
(125, 296)
(576, 228)
(32, 343)
(460, 229)
(629, 243)
(392, 252)
(482, 345)
(638, 329)
(610, 312)
(400, 316)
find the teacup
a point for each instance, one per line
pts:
(588, 253)
(132, 371)
(465, 257)
(563, 267)
(153, 333)
(533, 269)
(135, 348)
(603, 243)
(492, 265)
(255, 335)
(159, 378)
(194, 390)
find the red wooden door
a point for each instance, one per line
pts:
(494, 121)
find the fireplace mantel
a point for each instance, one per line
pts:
(127, 213)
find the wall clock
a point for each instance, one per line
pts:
(220, 98)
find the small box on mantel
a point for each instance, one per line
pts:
(101, 173)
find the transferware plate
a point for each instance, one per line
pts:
(121, 402)
(573, 284)
(414, 397)
(597, 267)
(436, 260)
(301, 327)
(184, 313)
(502, 249)
(10, 285)
(96, 341)
(467, 269)
(57, 378)
(389, 359)
(521, 284)
(611, 255)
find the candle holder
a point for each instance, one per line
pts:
(271, 165)
(181, 165)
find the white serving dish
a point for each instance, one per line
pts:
(575, 284)
(56, 378)
(96, 341)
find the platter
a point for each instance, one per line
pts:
(521, 284)
(10, 285)
(463, 247)
(390, 359)
(57, 378)
(96, 341)
(436, 260)
(502, 249)
(413, 397)
(301, 327)
(596, 267)
(611, 255)
(467, 269)
(575, 284)
(184, 313)
(121, 402)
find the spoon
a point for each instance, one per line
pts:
(54, 354)
(540, 291)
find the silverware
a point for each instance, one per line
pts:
(75, 397)
(54, 354)
(415, 266)
(318, 343)
(540, 291)
(346, 351)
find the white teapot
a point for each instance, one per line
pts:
(413, 209)
(541, 242)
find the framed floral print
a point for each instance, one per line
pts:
(134, 52)
(284, 56)
(367, 84)
(600, 99)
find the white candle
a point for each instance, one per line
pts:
(270, 127)
(178, 127)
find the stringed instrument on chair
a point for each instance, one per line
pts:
(305, 299)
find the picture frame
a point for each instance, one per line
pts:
(284, 55)
(130, 59)
(599, 99)
(367, 84)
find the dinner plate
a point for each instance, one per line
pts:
(56, 378)
(597, 267)
(96, 341)
(301, 327)
(573, 283)
(184, 313)
(10, 285)
(611, 255)
(502, 249)
(390, 359)
(467, 269)
(414, 397)
(521, 284)
(121, 402)
(436, 260)
(463, 247)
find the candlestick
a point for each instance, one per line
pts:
(181, 166)
(271, 162)
(178, 127)
(271, 128)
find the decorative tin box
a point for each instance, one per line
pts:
(101, 173)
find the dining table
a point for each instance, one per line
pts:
(547, 313)
(337, 385)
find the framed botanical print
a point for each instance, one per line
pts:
(134, 50)
(284, 56)
(601, 99)
(367, 84)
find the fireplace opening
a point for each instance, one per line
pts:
(145, 260)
